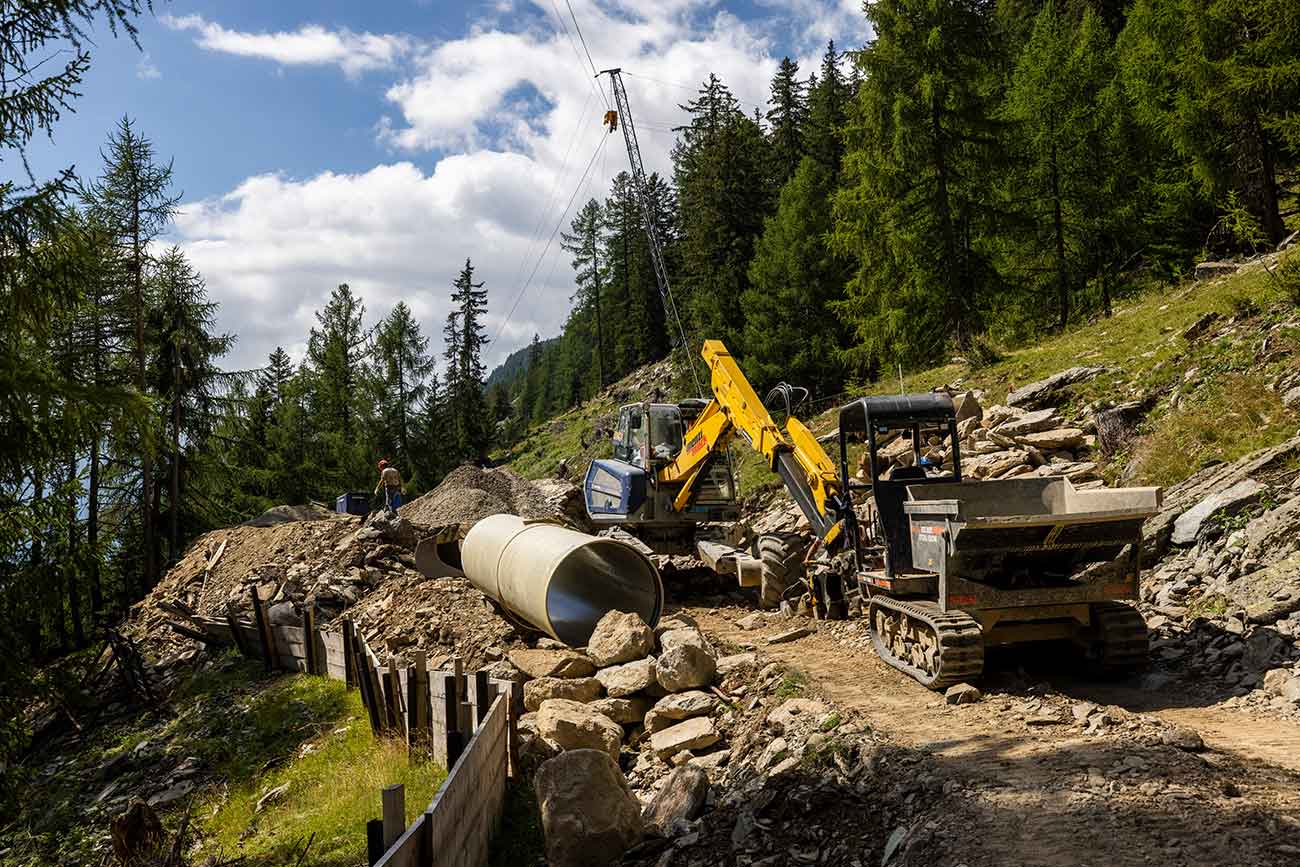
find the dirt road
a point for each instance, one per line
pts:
(1035, 789)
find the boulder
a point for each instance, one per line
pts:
(1061, 438)
(575, 726)
(589, 815)
(624, 710)
(682, 797)
(728, 664)
(1262, 651)
(785, 715)
(1041, 393)
(1209, 270)
(580, 689)
(679, 637)
(1229, 501)
(684, 705)
(683, 667)
(967, 406)
(1183, 738)
(620, 637)
(283, 614)
(676, 621)
(693, 734)
(1276, 680)
(962, 693)
(552, 663)
(1030, 422)
(630, 677)
(757, 620)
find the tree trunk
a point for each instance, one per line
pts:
(72, 562)
(92, 529)
(174, 547)
(146, 458)
(595, 279)
(1062, 283)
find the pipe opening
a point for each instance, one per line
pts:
(597, 578)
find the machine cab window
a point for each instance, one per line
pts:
(648, 433)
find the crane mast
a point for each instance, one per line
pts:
(641, 185)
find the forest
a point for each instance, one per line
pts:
(978, 174)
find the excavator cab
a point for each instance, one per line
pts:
(623, 490)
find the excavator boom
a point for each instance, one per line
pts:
(795, 455)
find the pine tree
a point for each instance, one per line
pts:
(915, 208)
(1219, 81)
(786, 120)
(405, 366)
(339, 377)
(465, 338)
(132, 199)
(795, 279)
(829, 97)
(587, 262)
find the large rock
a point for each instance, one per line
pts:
(580, 689)
(552, 663)
(628, 710)
(682, 797)
(685, 666)
(1030, 422)
(575, 726)
(785, 716)
(1061, 438)
(679, 637)
(684, 705)
(620, 637)
(621, 680)
(736, 661)
(1274, 533)
(589, 814)
(967, 406)
(693, 734)
(1229, 501)
(1041, 393)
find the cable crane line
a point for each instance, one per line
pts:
(621, 115)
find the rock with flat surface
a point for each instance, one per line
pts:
(630, 677)
(552, 663)
(690, 635)
(1030, 422)
(589, 815)
(1060, 438)
(625, 710)
(734, 661)
(1183, 738)
(682, 797)
(575, 726)
(684, 705)
(791, 635)
(757, 620)
(793, 710)
(1276, 680)
(620, 637)
(581, 689)
(1229, 501)
(685, 666)
(1044, 391)
(962, 693)
(693, 734)
(1209, 270)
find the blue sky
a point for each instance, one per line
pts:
(382, 143)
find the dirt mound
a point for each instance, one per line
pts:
(470, 493)
(287, 514)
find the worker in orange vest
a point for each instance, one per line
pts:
(391, 481)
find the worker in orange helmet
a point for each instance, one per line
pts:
(391, 481)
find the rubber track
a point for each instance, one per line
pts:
(961, 642)
(1122, 635)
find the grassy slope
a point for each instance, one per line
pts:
(251, 733)
(1226, 409)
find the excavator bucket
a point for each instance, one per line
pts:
(438, 555)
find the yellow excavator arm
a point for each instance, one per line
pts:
(795, 454)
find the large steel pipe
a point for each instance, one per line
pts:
(559, 580)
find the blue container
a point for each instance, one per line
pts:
(355, 503)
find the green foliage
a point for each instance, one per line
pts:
(1288, 275)
(792, 685)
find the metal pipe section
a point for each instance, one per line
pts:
(559, 580)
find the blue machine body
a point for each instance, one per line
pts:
(614, 488)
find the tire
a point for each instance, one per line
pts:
(782, 559)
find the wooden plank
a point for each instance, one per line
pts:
(362, 678)
(419, 709)
(372, 672)
(374, 841)
(309, 630)
(482, 698)
(293, 634)
(397, 699)
(237, 635)
(409, 848)
(263, 630)
(349, 649)
(467, 808)
(393, 802)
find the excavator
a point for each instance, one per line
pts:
(940, 567)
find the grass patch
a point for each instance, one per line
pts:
(1208, 605)
(832, 721)
(1226, 420)
(334, 779)
(520, 840)
(793, 685)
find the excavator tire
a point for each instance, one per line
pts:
(1120, 640)
(782, 558)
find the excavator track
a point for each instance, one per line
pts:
(936, 648)
(1120, 644)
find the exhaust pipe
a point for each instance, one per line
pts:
(557, 580)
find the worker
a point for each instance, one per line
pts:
(391, 481)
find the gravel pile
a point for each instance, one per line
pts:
(470, 493)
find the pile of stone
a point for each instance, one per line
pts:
(1003, 442)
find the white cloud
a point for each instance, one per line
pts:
(146, 69)
(514, 118)
(309, 45)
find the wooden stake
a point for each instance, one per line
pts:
(349, 653)
(309, 639)
(482, 697)
(264, 630)
(394, 803)
(374, 841)
(421, 673)
(396, 700)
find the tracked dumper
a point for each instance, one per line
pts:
(947, 567)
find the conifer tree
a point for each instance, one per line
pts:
(583, 242)
(786, 121)
(465, 339)
(340, 380)
(405, 366)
